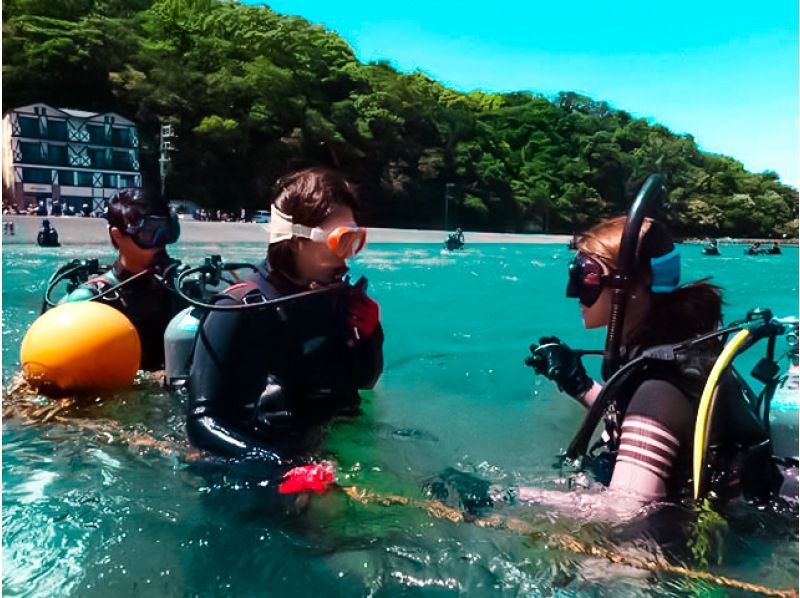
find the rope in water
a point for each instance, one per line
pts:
(439, 510)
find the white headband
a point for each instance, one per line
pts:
(281, 228)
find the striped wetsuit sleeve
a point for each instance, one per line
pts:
(655, 430)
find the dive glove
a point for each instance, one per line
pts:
(364, 313)
(556, 361)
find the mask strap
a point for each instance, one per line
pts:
(666, 272)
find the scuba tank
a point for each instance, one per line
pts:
(784, 413)
(178, 346)
(75, 273)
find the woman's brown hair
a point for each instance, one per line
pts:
(308, 196)
(691, 309)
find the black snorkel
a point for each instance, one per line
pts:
(622, 278)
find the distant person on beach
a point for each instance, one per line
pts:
(47, 237)
(41, 209)
(140, 226)
(86, 211)
(56, 209)
(263, 376)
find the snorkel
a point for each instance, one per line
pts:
(621, 280)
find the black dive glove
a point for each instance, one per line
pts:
(554, 360)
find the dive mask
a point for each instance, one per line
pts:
(586, 279)
(154, 231)
(343, 241)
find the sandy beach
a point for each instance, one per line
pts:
(92, 231)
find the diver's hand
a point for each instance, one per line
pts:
(364, 314)
(272, 406)
(556, 361)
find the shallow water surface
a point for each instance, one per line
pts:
(99, 500)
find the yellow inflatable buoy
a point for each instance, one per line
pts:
(80, 346)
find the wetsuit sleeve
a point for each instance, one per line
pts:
(228, 373)
(656, 427)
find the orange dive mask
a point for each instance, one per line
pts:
(343, 241)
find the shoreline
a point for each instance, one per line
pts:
(75, 230)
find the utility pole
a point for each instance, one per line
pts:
(166, 146)
(447, 191)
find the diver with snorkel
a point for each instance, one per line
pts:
(677, 417)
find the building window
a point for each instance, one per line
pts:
(66, 177)
(57, 154)
(127, 181)
(110, 180)
(97, 158)
(96, 134)
(29, 127)
(30, 152)
(36, 175)
(84, 179)
(57, 129)
(121, 161)
(120, 137)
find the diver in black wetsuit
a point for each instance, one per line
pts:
(140, 227)
(48, 236)
(261, 377)
(754, 249)
(648, 435)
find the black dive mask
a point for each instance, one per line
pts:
(154, 231)
(586, 279)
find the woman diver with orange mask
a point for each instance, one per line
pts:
(294, 343)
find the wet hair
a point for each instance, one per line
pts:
(691, 309)
(129, 206)
(308, 196)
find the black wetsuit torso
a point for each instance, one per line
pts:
(147, 302)
(259, 375)
(667, 394)
(48, 237)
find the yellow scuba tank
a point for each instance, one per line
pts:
(778, 405)
(80, 347)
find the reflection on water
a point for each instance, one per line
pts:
(99, 499)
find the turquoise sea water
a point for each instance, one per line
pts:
(88, 514)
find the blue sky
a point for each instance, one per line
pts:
(726, 72)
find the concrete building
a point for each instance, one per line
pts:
(72, 156)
